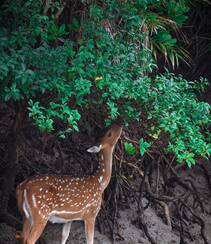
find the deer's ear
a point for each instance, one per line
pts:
(94, 149)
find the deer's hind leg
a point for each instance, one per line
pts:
(35, 230)
(25, 231)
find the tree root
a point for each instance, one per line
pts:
(198, 220)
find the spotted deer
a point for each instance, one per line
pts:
(62, 199)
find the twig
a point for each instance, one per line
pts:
(141, 221)
(59, 12)
(61, 156)
(47, 6)
(136, 168)
(167, 213)
(157, 176)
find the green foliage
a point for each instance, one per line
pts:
(182, 117)
(55, 32)
(129, 148)
(105, 70)
(160, 21)
(143, 146)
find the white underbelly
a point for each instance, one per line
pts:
(58, 220)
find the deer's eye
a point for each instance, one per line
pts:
(109, 134)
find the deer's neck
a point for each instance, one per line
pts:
(105, 167)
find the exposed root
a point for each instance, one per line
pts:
(198, 220)
(166, 212)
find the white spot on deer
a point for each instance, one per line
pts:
(34, 201)
(100, 179)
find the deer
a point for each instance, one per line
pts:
(62, 198)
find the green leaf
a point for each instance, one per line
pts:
(143, 146)
(129, 148)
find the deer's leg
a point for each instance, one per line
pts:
(89, 229)
(65, 232)
(36, 231)
(25, 231)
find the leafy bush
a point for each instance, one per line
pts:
(103, 68)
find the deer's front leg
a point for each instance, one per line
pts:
(89, 229)
(65, 232)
